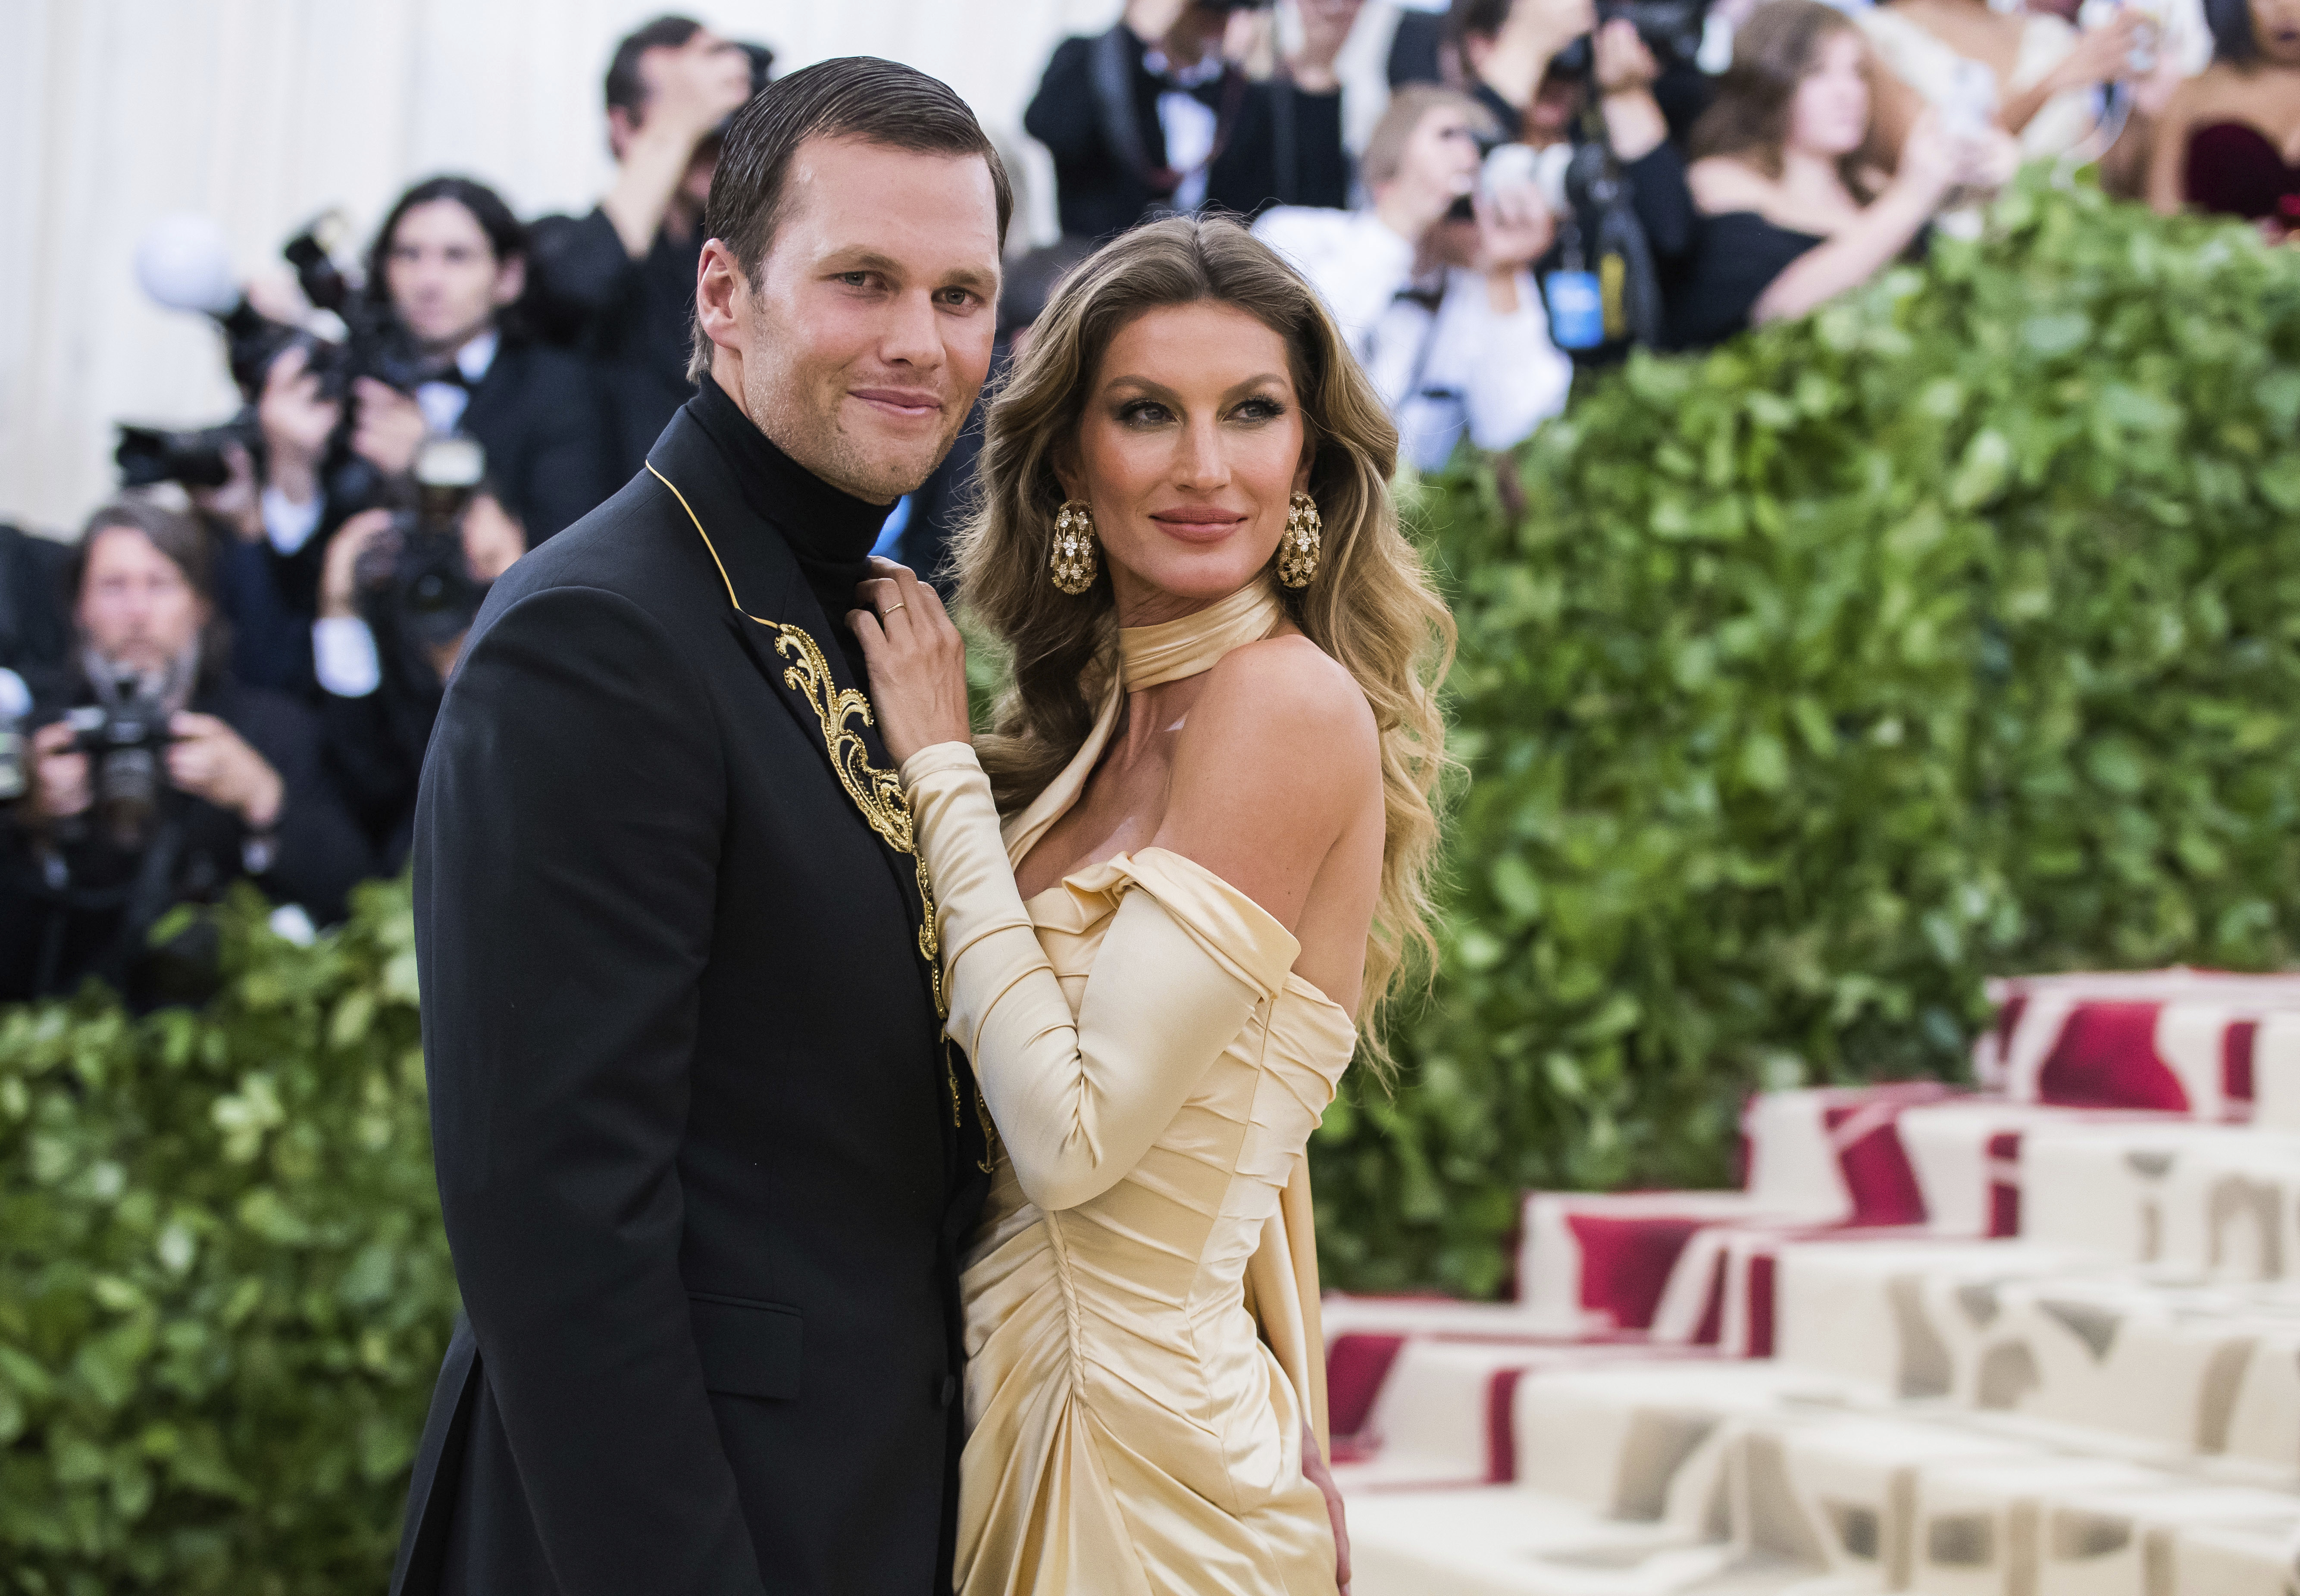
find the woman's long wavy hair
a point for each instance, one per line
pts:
(1371, 605)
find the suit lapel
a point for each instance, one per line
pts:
(781, 629)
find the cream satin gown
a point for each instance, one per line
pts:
(1141, 1298)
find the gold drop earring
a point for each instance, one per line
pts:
(1073, 561)
(1298, 547)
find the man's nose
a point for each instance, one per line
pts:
(914, 333)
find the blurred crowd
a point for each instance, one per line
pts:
(231, 674)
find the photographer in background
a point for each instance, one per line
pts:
(449, 261)
(165, 781)
(1550, 80)
(1432, 283)
(1162, 114)
(384, 648)
(618, 284)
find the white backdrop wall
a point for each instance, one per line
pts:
(263, 113)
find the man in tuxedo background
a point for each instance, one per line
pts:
(618, 285)
(703, 1161)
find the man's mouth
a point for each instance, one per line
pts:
(908, 404)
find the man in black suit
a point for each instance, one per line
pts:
(703, 1160)
(618, 285)
(1153, 117)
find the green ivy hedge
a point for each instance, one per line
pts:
(1952, 630)
(224, 1289)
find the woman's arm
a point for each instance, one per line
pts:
(1191, 951)
(2168, 150)
(1929, 168)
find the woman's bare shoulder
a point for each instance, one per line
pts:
(1722, 183)
(1286, 689)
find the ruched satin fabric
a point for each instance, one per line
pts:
(1154, 1070)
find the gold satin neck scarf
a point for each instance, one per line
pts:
(1151, 656)
(1148, 657)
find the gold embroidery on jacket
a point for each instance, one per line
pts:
(878, 793)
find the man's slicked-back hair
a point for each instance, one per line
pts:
(854, 96)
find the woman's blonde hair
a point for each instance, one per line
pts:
(1370, 606)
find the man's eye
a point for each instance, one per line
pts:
(855, 279)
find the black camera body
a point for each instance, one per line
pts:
(374, 344)
(126, 742)
(1670, 28)
(422, 576)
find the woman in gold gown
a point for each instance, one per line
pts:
(1191, 856)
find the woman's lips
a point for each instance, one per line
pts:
(1198, 526)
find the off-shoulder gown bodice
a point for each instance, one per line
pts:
(1154, 1070)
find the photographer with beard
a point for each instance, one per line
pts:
(1162, 114)
(618, 285)
(1430, 283)
(159, 780)
(383, 669)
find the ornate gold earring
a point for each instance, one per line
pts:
(1297, 549)
(1071, 562)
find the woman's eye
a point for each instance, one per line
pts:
(1143, 412)
(1259, 409)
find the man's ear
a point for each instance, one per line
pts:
(722, 296)
(622, 127)
(511, 281)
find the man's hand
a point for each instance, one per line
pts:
(1625, 70)
(387, 427)
(60, 777)
(210, 760)
(1619, 61)
(296, 423)
(237, 504)
(1326, 27)
(1314, 1470)
(339, 576)
(703, 83)
(1514, 229)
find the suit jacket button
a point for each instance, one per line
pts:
(948, 1391)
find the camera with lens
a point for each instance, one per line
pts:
(1670, 28)
(125, 736)
(420, 573)
(185, 265)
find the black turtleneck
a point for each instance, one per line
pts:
(830, 532)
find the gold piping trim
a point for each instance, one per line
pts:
(877, 793)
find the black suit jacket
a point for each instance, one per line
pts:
(697, 1147)
(1096, 113)
(538, 414)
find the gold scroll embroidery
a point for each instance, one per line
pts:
(878, 793)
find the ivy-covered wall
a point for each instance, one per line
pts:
(1954, 630)
(1951, 631)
